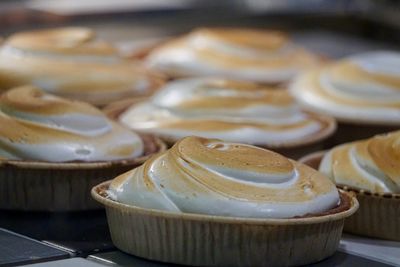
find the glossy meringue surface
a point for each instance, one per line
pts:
(73, 63)
(209, 176)
(361, 88)
(226, 109)
(42, 127)
(371, 164)
(245, 54)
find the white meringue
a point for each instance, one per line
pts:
(213, 177)
(371, 164)
(71, 62)
(254, 55)
(362, 88)
(42, 127)
(229, 110)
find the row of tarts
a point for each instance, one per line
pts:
(75, 112)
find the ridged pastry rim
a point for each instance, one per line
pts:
(97, 190)
(317, 157)
(31, 164)
(115, 109)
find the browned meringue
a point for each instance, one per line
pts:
(255, 55)
(229, 110)
(71, 62)
(42, 127)
(363, 88)
(209, 176)
(371, 164)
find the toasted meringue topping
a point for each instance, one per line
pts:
(362, 88)
(43, 127)
(209, 176)
(255, 55)
(71, 62)
(228, 110)
(63, 40)
(371, 164)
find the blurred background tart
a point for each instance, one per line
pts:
(71, 62)
(361, 91)
(52, 150)
(262, 56)
(229, 110)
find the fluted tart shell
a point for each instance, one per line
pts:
(62, 186)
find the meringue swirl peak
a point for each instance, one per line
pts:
(42, 127)
(209, 176)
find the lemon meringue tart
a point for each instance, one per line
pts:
(53, 150)
(206, 202)
(370, 168)
(361, 91)
(261, 56)
(73, 63)
(230, 110)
